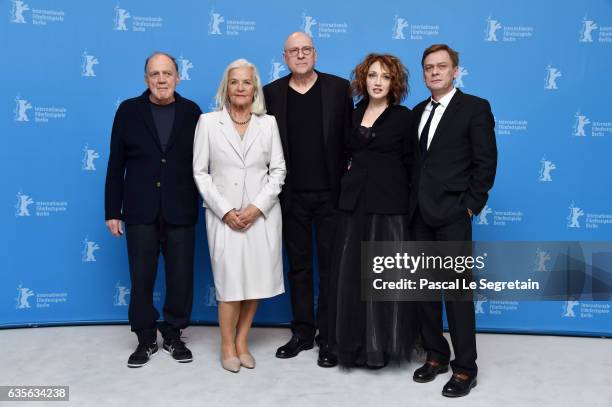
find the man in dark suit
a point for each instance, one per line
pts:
(150, 187)
(454, 168)
(313, 112)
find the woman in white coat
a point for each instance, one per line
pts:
(239, 168)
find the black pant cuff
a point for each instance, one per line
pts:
(147, 336)
(471, 372)
(304, 336)
(438, 358)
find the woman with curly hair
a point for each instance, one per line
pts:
(374, 207)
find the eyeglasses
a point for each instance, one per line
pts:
(294, 52)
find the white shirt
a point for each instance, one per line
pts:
(435, 120)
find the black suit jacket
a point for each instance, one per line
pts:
(142, 181)
(337, 105)
(379, 165)
(459, 168)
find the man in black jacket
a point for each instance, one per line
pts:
(453, 171)
(150, 187)
(313, 111)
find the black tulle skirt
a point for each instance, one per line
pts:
(368, 333)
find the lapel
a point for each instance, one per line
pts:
(326, 98)
(359, 112)
(230, 133)
(252, 133)
(178, 121)
(447, 118)
(145, 110)
(281, 108)
(417, 112)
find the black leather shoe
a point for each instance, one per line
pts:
(429, 371)
(293, 347)
(459, 386)
(327, 358)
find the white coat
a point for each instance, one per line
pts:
(231, 174)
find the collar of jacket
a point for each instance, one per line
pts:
(361, 107)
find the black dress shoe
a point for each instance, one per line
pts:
(459, 386)
(293, 347)
(327, 358)
(429, 371)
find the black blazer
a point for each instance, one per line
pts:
(337, 105)
(142, 181)
(459, 168)
(380, 165)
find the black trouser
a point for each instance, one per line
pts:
(308, 208)
(144, 243)
(460, 314)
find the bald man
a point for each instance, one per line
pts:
(313, 112)
(150, 188)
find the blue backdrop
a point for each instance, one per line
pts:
(544, 66)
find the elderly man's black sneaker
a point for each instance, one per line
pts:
(142, 354)
(176, 348)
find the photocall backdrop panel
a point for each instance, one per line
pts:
(544, 66)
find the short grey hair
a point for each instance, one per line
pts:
(259, 105)
(160, 53)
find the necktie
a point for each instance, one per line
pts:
(425, 132)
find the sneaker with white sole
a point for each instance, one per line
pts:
(142, 354)
(176, 348)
